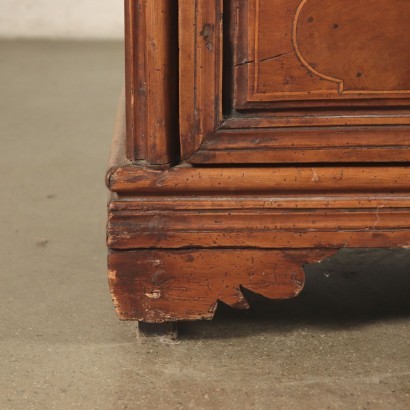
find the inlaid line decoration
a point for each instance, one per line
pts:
(394, 13)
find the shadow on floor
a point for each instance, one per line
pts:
(354, 288)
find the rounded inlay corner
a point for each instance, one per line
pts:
(363, 46)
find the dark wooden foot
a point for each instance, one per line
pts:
(167, 330)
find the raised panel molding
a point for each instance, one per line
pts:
(302, 50)
(248, 94)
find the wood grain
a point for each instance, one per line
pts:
(152, 81)
(200, 74)
(343, 42)
(315, 50)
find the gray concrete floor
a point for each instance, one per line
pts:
(343, 344)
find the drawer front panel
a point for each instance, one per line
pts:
(323, 50)
(295, 81)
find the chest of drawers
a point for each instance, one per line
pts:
(255, 136)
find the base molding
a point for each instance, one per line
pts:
(275, 223)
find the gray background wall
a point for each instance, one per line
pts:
(61, 18)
